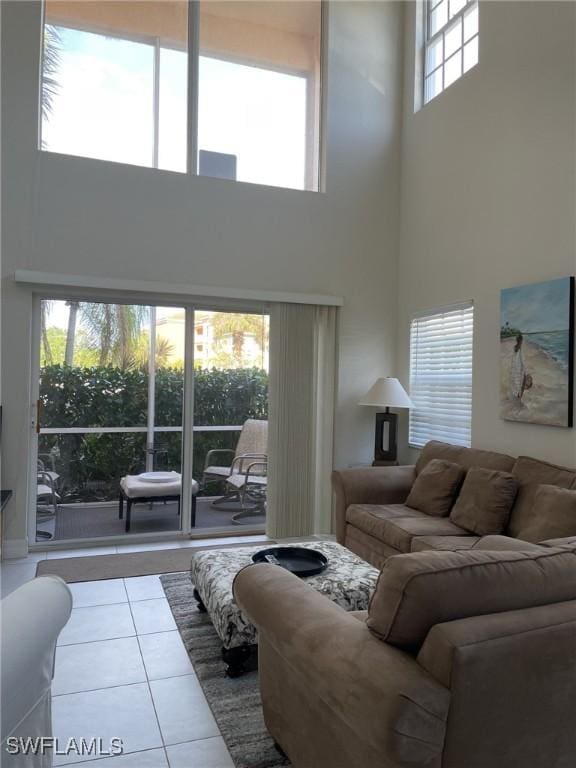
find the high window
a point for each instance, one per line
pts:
(450, 43)
(441, 376)
(238, 98)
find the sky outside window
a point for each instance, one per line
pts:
(104, 108)
(104, 102)
(258, 115)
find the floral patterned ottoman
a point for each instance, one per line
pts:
(348, 581)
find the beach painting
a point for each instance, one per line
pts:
(537, 353)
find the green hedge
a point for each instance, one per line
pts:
(91, 465)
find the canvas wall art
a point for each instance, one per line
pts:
(537, 353)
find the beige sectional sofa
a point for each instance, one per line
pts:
(464, 660)
(466, 657)
(373, 520)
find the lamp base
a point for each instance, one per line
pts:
(385, 439)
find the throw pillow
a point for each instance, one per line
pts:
(436, 487)
(485, 501)
(553, 515)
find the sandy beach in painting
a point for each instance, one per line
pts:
(546, 402)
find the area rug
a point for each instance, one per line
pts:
(235, 703)
(124, 566)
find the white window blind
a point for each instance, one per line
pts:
(441, 376)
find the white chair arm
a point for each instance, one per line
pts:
(214, 452)
(32, 618)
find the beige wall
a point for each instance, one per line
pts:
(80, 216)
(488, 194)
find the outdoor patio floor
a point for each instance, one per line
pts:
(93, 520)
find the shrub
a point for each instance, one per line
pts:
(91, 465)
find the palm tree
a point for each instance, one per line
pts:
(50, 67)
(71, 332)
(45, 309)
(115, 330)
(140, 357)
(238, 326)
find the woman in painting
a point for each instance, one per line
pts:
(519, 379)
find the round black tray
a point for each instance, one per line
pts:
(297, 560)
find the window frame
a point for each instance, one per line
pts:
(465, 308)
(428, 41)
(315, 150)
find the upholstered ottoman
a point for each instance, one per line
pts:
(347, 581)
(134, 490)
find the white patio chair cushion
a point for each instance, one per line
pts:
(134, 487)
(239, 480)
(45, 490)
(218, 471)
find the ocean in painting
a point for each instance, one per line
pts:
(554, 343)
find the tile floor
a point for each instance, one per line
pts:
(122, 670)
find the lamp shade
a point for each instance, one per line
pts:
(387, 393)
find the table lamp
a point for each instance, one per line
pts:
(386, 393)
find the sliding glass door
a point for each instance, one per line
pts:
(111, 419)
(110, 406)
(231, 418)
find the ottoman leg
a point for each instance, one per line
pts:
(128, 513)
(201, 607)
(239, 660)
(193, 515)
(121, 507)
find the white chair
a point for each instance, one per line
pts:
(32, 617)
(251, 449)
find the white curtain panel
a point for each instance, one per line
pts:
(301, 419)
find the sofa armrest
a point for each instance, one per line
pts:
(512, 679)
(379, 691)
(32, 618)
(480, 634)
(369, 485)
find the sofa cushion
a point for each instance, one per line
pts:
(370, 518)
(400, 531)
(466, 457)
(499, 543)
(553, 515)
(367, 547)
(436, 487)
(485, 501)
(530, 474)
(442, 543)
(417, 591)
(566, 542)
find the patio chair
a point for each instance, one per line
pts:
(47, 498)
(252, 447)
(251, 485)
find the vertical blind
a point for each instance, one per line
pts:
(441, 376)
(301, 419)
